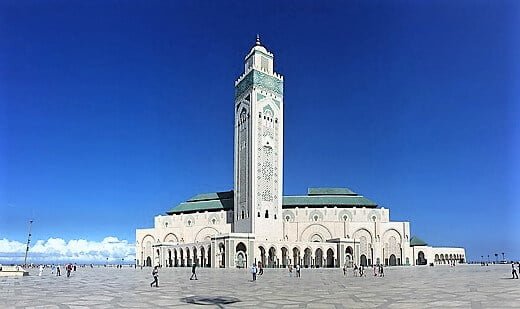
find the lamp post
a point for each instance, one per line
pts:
(503, 258)
(28, 242)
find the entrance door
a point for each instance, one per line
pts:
(363, 260)
(392, 260)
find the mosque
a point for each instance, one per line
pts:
(256, 223)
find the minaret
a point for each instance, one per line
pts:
(259, 147)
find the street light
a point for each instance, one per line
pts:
(28, 242)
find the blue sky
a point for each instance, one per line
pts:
(114, 112)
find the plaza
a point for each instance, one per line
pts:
(463, 286)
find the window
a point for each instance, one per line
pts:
(345, 218)
(267, 213)
(264, 63)
(287, 218)
(275, 217)
(315, 217)
(243, 214)
(189, 222)
(165, 224)
(213, 221)
(258, 214)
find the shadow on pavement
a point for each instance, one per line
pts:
(210, 300)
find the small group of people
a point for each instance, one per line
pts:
(379, 270)
(155, 274)
(257, 270)
(57, 268)
(359, 271)
(297, 269)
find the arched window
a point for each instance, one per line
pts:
(267, 213)
(258, 214)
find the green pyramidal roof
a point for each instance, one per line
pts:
(316, 197)
(205, 202)
(416, 241)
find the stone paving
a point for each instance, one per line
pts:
(463, 286)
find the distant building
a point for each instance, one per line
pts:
(328, 227)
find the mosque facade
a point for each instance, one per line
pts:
(256, 223)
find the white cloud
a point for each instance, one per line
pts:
(75, 250)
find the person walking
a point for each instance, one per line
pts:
(253, 271)
(381, 271)
(193, 274)
(298, 271)
(355, 270)
(155, 274)
(345, 270)
(69, 269)
(260, 268)
(58, 270)
(515, 274)
(41, 271)
(290, 270)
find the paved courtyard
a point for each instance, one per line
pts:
(464, 286)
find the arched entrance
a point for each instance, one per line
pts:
(209, 255)
(285, 258)
(307, 257)
(203, 261)
(240, 258)
(148, 261)
(296, 256)
(262, 256)
(420, 259)
(363, 260)
(188, 257)
(318, 259)
(330, 258)
(195, 257)
(272, 258)
(392, 260)
(349, 254)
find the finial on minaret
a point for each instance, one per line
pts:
(258, 39)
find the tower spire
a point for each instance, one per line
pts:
(258, 39)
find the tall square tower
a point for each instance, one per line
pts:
(258, 162)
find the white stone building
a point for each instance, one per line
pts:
(328, 227)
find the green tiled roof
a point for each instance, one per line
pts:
(212, 196)
(327, 200)
(202, 202)
(340, 197)
(416, 241)
(330, 191)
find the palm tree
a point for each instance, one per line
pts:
(496, 257)
(503, 258)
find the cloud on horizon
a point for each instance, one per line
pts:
(75, 250)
